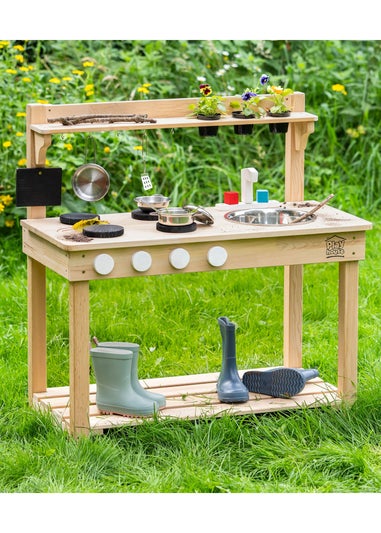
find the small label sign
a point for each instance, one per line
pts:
(334, 247)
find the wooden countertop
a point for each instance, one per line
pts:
(136, 232)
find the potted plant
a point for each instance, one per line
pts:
(209, 107)
(279, 106)
(249, 106)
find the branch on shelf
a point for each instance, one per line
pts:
(80, 119)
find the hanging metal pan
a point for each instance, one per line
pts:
(91, 182)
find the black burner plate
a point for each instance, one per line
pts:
(138, 214)
(72, 218)
(103, 231)
(176, 229)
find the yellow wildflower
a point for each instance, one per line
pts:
(42, 101)
(139, 147)
(143, 90)
(19, 47)
(30, 67)
(24, 69)
(106, 150)
(4, 43)
(67, 78)
(19, 134)
(55, 80)
(78, 72)
(68, 146)
(6, 199)
(11, 71)
(25, 79)
(276, 90)
(21, 114)
(88, 64)
(7, 144)
(20, 58)
(21, 162)
(2, 207)
(89, 87)
(9, 223)
(339, 88)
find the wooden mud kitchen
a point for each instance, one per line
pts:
(332, 236)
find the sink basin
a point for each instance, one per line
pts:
(271, 216)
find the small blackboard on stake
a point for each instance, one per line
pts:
(38, 186)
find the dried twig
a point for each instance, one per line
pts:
(80, 119)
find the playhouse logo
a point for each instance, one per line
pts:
(334, 246)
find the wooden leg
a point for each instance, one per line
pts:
(293, 316)
(37, 372)
(79, 357)
(348, 329)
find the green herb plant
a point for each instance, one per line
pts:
(209, 104)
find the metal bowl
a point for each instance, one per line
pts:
(268, 216)
(150, 203)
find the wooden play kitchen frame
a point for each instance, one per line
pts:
(335, 236)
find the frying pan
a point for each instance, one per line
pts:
(91, 182)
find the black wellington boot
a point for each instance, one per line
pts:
(230, 388)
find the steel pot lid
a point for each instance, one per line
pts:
(200, 214)
(91, 182)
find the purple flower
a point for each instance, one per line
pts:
(264, 79)
(247, 95)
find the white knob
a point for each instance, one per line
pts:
(103, 264)
(141, 261)
(217, 256)
(179, 258)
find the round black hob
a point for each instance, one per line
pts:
(138, 214)
(104, 231)
(72, 218)
(176, 229)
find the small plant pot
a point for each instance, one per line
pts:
(242, 129)
(280, 127)
(208, 131)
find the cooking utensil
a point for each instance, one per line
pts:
(90, 181)
(146, 180)
(318, 206)
(200, 214)
(150, 203)
(174, 216)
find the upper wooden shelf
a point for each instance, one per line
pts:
(171, 113)
(162, 123)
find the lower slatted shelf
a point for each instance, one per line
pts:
(187, 397)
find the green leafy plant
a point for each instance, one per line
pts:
(209, 104)
(252, 101)
(250, 105)
(278, 95)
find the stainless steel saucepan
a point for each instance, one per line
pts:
(151, 203)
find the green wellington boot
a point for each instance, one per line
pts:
(230, 388)
(134, 348)
(115, 391)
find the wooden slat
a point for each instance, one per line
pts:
(188, 397)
